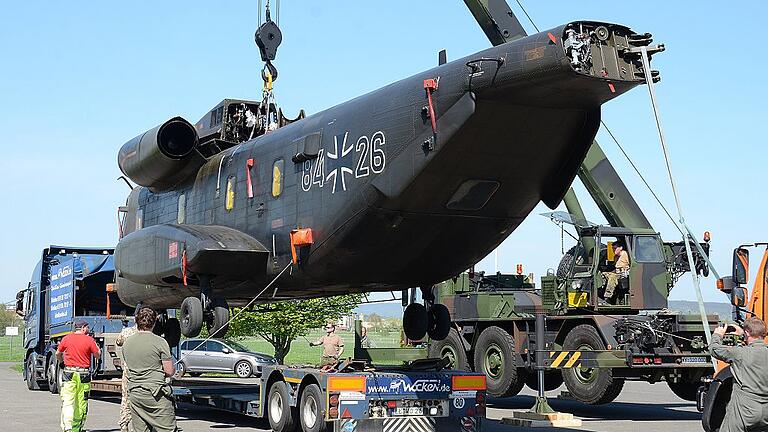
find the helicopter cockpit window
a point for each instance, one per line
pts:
(648, 249)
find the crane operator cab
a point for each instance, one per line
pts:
(616, 268)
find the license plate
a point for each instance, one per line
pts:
(409, 411)
(695, 360)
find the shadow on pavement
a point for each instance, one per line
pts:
(223, 419)
(611, 411)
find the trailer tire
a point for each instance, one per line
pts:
(281, 416)
(590, 386)
(496, 357)
(29, 368)
(452, 348)
(685, 390)
(312, 409)
(52, 374)
(191, 317)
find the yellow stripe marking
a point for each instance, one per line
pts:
(293, 380)
(573, 359)
(559, 359)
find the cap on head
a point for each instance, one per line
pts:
(80, 324)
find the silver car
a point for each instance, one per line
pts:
(199, 356)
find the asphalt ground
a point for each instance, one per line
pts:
(641, 407)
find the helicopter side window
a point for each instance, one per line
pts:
(277, 178)
(181, 215)
(230, 200)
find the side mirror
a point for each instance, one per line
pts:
(739, 297)
(740, 266)
(226, 350)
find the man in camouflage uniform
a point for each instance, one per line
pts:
(125, 403)
(748, 408)
(621, 270)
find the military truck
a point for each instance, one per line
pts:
(69, 284)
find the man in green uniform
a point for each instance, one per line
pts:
(125, 405)
(748, 408)
(148, 359)
(332, 344)
(75, 351)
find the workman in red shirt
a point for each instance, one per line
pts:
(75, 350)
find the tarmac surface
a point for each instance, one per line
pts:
(641, 407)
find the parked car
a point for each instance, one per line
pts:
(199, 356)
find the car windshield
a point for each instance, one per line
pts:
(237, 347)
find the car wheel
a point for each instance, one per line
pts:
(593, 386)
(452, 349)
(243, 369)
(52, 373)
(181, 370)
(495, 356)
(281, 416)
(312, 410)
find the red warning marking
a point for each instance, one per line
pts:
(552, 37)
(610, 86)
(346, 413)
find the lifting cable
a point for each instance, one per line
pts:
(232, 318)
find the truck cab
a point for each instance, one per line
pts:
(70, 284)
(581, 278)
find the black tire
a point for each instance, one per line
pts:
(590, 386)
(52, 374)
(172, 332)
(452, 348)
(438, 322)
(495, 356)
(415, 321)
(191, 321)
(312, 410)
(685, 390)
(195, 374)
(29, 370)
(553, 379)
(219, 319)
(281, 416)
(243, 369)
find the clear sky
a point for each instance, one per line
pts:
(80, 78)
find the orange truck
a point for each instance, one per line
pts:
(714, 395)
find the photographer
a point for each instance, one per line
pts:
(748, 408)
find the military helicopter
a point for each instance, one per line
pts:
(402, 187)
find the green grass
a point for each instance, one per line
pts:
(11, 349)
(302, 354)
(18, 367)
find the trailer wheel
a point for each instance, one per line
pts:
(282, 417)
(495, 356)
(312, 409)
(553, 379)
(219, 323)
(191, 317)
(593, 386)
(450, 348)
(685, 390)
(172, 332)
(415, 321)
(52, 373)
(29, 367)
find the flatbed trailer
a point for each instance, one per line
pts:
(351, 398)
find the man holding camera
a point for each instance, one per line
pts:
(748, 408)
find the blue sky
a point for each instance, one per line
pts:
(79, 78)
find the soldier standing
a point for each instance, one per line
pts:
(332, 344)
(75, 351)
(149, 363)
(748, 408)
(125, 405)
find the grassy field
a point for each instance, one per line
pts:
(11, 349)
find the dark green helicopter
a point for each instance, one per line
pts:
(403, 187)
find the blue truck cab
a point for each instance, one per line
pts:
(70, 284)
